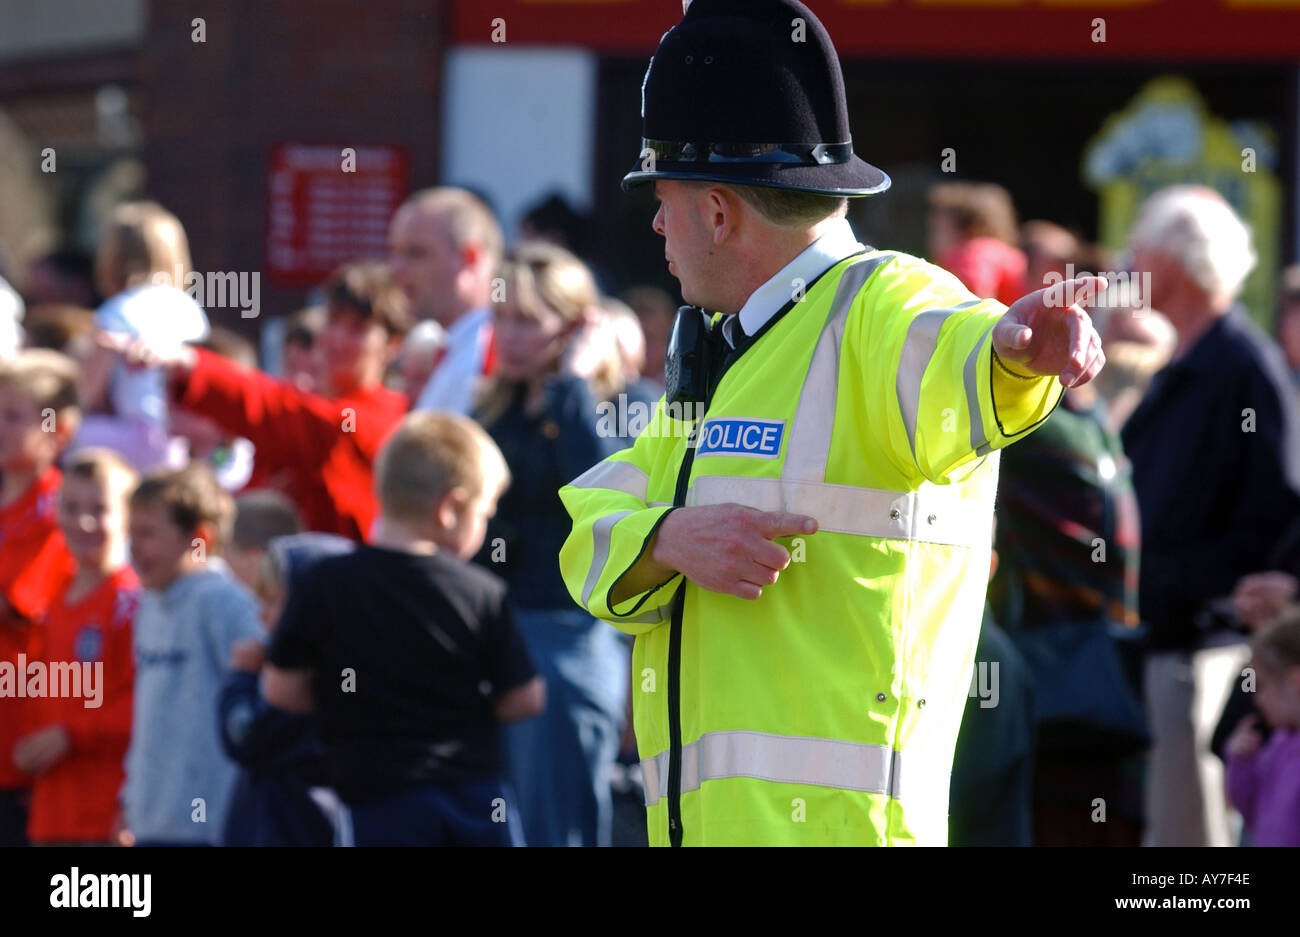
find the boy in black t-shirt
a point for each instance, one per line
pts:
(408, 654)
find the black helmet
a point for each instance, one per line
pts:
(750, 92)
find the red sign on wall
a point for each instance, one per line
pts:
(329, 204)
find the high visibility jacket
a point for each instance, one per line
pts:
(826, 711)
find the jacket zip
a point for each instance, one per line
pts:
(675, 831)
(675, 656)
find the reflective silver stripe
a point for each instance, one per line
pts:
(931, 514)
(600, 532)
(785, 759)
(652, 617)
(809, 446)
(979, 440)
(918, 349)
(615, 475)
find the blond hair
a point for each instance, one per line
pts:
(142, 242)
(430, 453)
(49, 380)
(104, 466)
(542, 275)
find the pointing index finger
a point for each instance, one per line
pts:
(1084, 292)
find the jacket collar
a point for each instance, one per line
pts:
(836, 242)
(1204, 354)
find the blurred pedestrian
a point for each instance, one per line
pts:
(1217, 474)
(445, 245)
(630, 340)
(64, 328)
(301, 362)
(1051, 253)
(65, 276)
(280, 754)
(990, 802)
(322, 444)
(142, 265)
(1139, 342)
(260, 517)
(655, 308)
(972, 232)
(38, 417)
(1264, 775)
(178, 777)
(74, 746)
(1066, 594)
(413, 738)
(556, 365)
(1288, 319)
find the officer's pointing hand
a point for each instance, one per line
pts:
(1048, 333)
(728, 548)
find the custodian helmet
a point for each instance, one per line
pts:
(750, 92)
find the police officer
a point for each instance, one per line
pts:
(803, 558)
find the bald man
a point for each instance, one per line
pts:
(445, 246)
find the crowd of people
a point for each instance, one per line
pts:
(316, 600)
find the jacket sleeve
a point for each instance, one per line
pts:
(33, 572)
(951, 405)
(285, 425)
(612, 527)
(253, 732)
(1242, 778)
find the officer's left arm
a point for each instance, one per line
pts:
(954, 401)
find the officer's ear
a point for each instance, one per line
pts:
(721, 208)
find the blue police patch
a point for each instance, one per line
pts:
(741, 436)
(89, 642)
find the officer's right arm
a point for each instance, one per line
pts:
(613, 528)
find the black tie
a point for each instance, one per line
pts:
(721, 354)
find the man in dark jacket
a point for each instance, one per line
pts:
(1215, 466)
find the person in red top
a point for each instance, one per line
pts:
(972, 230)
(38, 417)
(320, 446)
(73, 746)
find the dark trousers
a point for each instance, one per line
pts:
(470, 814)
(13, 817)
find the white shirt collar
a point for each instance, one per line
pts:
(836, 242)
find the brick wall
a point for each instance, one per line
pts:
(311, 71)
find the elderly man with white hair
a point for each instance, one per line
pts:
(1217, 474)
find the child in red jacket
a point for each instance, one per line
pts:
(38, 417)
(322, 445)
(75, 745)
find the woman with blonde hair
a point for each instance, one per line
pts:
(141, 265)
(556, 361)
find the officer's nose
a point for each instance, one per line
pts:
(658, 223)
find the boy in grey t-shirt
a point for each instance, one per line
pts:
(178, 778)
